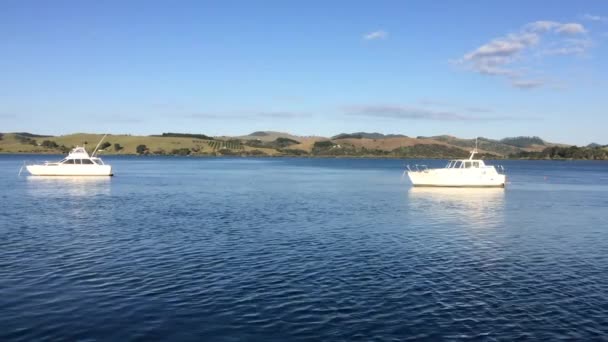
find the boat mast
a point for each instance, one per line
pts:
(474, 151)
(96, 147)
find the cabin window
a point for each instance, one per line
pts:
(476, 164)
(87, 161)
(458, 164)
(69, 161)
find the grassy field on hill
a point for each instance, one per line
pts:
(127, 144)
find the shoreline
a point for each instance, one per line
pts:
(2, 153)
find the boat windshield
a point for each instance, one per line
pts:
(454, 164)
(92, 161)
(463, 164)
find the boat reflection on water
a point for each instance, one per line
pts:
(479, 207)
(67, 186)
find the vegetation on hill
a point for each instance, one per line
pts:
(186, 135)
(232, 144)
(523, 141)
(506, 146)
(430, 151)
(141, 149)
(364, 135)
(570, 152)
(49, 144)
(181, 151)
(278, 143)
(30, 135)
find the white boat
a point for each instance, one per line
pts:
(459, 173)
(77, 163)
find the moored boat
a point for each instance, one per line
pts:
(77, 163)
(459, 173)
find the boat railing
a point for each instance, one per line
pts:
(417, 168)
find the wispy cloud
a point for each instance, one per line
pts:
(414, 113)
(592, 17)
(527, 84)
(504, 56)
(433, 103)
(569, 47)
(281, 115)
(248, 115)
(376, 35)
(479, 110)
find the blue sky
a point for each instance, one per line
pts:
(469, 68)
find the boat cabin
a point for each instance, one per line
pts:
(90, 161)
(465, 164)
(79, 156)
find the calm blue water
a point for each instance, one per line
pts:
(302, 249)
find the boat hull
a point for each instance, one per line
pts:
(70, 170)
(460, 180)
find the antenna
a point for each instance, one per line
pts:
(474, 151)
(96, 147)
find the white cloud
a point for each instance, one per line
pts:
(501, 48)
(571, 28)
(544, 26)
(376, 35)
(505, 56)
(592, 17)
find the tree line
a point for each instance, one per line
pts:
(569, 152)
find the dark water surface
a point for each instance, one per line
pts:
(302, 249)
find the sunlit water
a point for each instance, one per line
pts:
(302, 249)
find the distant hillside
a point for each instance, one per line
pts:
(259, 134)
(523, 141)
(265, 136)
(269, 143)
(593, 145)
